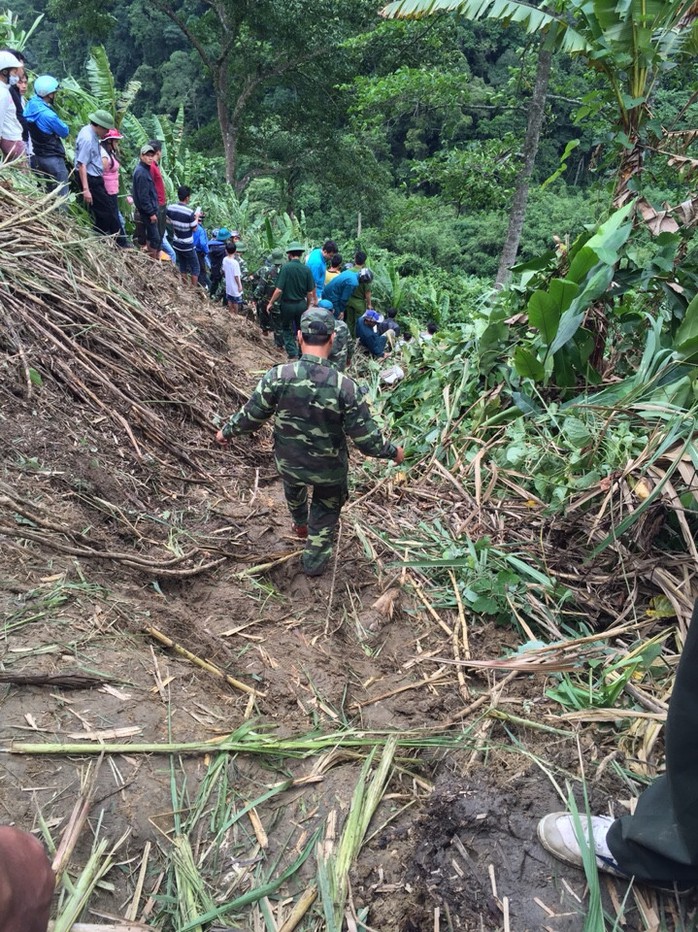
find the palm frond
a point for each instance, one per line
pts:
(101, 79)
(533, 18)
(126, 98)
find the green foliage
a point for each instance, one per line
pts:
(601, 292)
(11, 34)
(478, 177)
(607, 677)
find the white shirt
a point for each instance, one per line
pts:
(10, 127)
(231, 270)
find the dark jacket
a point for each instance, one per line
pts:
(216, 255)
(19, 107)
(145, 196)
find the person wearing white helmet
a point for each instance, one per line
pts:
(11, 142)
(47, 131)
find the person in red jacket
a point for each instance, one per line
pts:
(156, 175)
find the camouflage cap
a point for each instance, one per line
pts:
(316, 321)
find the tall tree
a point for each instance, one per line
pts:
(631, 44)
(517, 213)
(249, 48)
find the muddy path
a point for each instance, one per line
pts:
(452, 844)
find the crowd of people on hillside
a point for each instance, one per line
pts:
(32, 138)
(32, 135)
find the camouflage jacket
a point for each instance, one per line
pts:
(266, 281)
(316, 409)
(343, 347)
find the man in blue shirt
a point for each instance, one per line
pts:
(317, 263)
(367, 333)
(47, 132)
(340, 289)
(201, 247)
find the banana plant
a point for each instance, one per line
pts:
(103, 86)
(388, 286)
(561, 349)
(11, 35)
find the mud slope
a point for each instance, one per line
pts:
(123, 526)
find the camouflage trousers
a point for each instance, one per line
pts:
(263, 315)
(321, 519)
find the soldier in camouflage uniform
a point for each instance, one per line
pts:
(269, 320)
(316, 409)
(342, 351)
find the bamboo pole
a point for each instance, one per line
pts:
(200, 662)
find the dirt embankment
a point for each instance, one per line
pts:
(123, 524)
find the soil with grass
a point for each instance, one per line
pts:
(112, 542)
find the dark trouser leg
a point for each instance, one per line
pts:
(324, 515)
(263, 315)
(297, 501)
(106, 219)
(290, 323)
(162, 219)
(55, 169)
(660, 840)
(139, 231)
(121, 238)
(203, 271)
(275, 315)
(351, 315)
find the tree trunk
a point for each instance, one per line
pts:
(536, 112)
(229, 136)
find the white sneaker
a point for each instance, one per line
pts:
(556, 832)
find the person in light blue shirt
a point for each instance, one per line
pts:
(317, 263)
(201, 247)
(88, 161)
(340, 289)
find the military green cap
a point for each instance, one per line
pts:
(316, 321)
(295, 247)
(277, 255)
(102, 118)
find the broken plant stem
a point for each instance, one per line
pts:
(200, 662)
